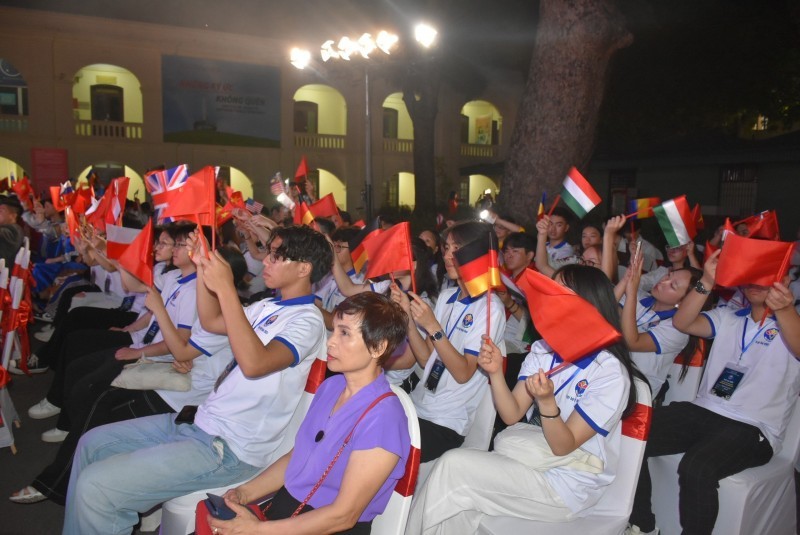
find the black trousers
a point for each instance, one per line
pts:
(714, 448)
(436, 439)
(81, 318)
(111, 405)
(75, 346)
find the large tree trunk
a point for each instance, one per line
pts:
(421, 94)
(556, 121)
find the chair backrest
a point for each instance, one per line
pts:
(791, 438)
(315, 377)
(617, 500)
(686, 390)
(479, 434)
(393, 519)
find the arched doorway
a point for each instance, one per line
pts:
(13, 99)
(320, 117)
(107, 102)
(330, 183)
(398, 130)
(478, 185)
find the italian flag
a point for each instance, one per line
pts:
(579, 194)
(676, 220)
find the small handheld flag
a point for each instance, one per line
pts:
(642, 208)
(675, 219)
(578, 194)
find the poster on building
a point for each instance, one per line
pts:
(216, 102)
(483, 130)
(49, 167)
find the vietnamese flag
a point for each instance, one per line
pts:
(194, 199)
(118, 239)
(751, 261)
(302, 169)
(568, 323)
(325, 207)
(357, 250)
(763, 225)
(237, 200)
(389, 251)
(24, 191)
(138, 256)
(223, 214)
(72, 223)
(477, 264)
(697, 214)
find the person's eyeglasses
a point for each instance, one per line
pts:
(164, 244)
(274, 257)
(587, 262)
(340, 247)
(182, 244)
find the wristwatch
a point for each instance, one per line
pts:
(438, 335)
(700, 288)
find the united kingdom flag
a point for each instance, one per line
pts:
(161, 185)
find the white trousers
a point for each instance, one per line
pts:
(466, 484)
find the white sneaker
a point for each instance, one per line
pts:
(634, 530)
(43, 409)
(54, 435)
(45, 334)
(33, 366)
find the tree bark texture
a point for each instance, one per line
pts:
(421, 95)
(558, 113)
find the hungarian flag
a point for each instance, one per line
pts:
(24, 191)
(358, 252)
(118, 239)
(194, 199)
(697, 216)
(477, 265)
(138, 256)
(579, 195)
(302, 169)
(642, 208)
(763, 225)
(676, 220)
(571, 325)
(752, 261)
(389, 251)
(540, 213)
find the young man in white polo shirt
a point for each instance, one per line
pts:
(739, 417)
(126, 468)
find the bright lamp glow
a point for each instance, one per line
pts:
(299, 58)
(425, 34)
(327, 51)
(366, 45)
(386, 41)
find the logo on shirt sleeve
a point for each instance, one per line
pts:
(581, 387)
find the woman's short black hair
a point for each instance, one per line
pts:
(304, 244)
(380, 318)
(179, 230)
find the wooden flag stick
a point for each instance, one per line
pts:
(557, 369)
(631, 215)
(489, 312)
(553, 206)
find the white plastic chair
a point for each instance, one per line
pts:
(178, 514)
(393, 519)
(610, 515)
(686, 390)
(757, 500)
(478, 436)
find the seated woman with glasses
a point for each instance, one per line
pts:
(352, 446)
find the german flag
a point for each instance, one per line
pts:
(478, 266)
(303, 215)
(357, 250)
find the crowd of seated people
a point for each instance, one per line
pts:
(237, 325)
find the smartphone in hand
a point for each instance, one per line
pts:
(218, 508)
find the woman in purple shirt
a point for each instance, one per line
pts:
(367, 329)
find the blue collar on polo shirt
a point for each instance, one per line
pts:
(302, 300)
(351, 272)
(465, 301)
(648, 302)
(561, 244)
(746, 312)
(581, 363)
(187, 278)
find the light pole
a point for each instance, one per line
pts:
(347, 48)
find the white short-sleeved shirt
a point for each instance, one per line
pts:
(560, 254)
(179, 294)
(255, 268)
(767, 392)
(159, 274)
(215, 355)
(597, 388)
(328, 291)
(396, 377)
(669, 341)
(453, 405)
(251, 414)
(114, 282)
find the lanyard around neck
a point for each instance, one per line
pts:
(744, 346)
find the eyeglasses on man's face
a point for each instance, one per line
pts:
(160, 244)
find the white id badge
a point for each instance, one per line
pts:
(729, 380)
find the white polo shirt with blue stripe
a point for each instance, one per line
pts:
(596, 387)
(251, 414)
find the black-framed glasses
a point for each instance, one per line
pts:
(340, 247)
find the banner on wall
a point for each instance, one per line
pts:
(220, 102)
(49, 167)
(483, 130)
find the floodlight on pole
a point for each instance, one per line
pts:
(425, 34)
(299, 58)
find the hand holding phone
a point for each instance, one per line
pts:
(218, 508)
